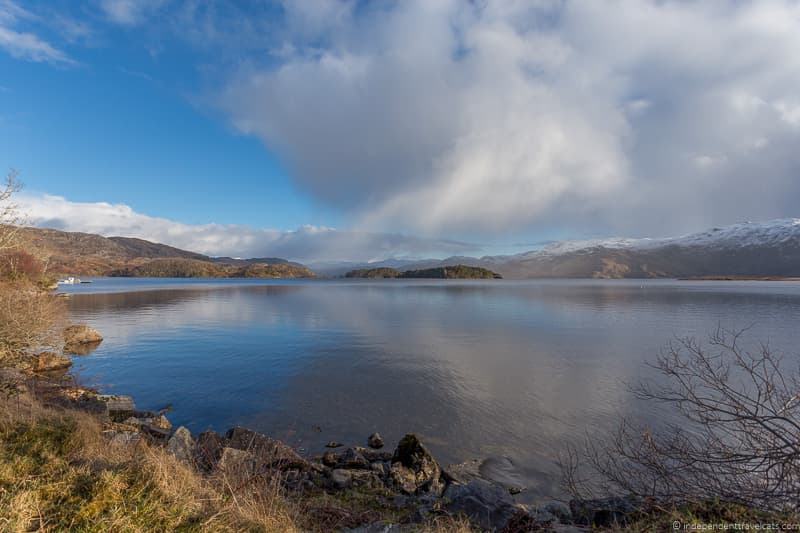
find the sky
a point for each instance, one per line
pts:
(332, 130)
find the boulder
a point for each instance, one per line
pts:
(373, 455)
(118, 408)
(414, 470)
(48, 361)
(341, 478)
(122, 438)
(269, 452)
(330, 459)
(182, 445)
(375, 441)
(208, 450)
(486, 504)
(81, 334)
(352, 459)
(237, 463)
(604, 513)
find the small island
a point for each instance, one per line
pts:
(444, 272)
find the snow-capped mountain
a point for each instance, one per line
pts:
(758, 249)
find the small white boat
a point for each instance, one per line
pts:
(69, 281)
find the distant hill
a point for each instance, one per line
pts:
(444, 272)
(85, 254)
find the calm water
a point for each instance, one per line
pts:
(488, 368)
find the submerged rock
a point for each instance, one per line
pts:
(502, 471)
(375, 441)
(182, 445)
(334, 444)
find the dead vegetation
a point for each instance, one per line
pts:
(732, 447)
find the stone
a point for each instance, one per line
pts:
(48, 361)
(237, 463)
(118, 408)
(502, 471)
(486, 504)
(208, 450)
(81, 334)
(122, 438)
(330, 459)
(414, 469)
(375, 441)
(366, 479)
(352, 459)
(372, 455)
(605, 512)
(341, 478)
(558, 509)
(271, 453)
(182, 445)
(334, 444)
(380, 468)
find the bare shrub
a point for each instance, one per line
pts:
(29, 319)
(10, 218)
(737, 439)
(20, 265)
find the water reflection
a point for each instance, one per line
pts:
(489, 368)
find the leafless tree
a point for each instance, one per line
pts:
(10, 217)
(736, 438)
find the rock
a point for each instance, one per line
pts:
(380, 468)
(366, 479)
(341, 478)
(486, 504)
(48, 361)
(558, 509)
(352, 459)
(373, 455)
(75, 336)
(375, 441)
(208, 450)
(603, 513)
(270, 452)
(122, 438)
(182, 445)
(464, 472)
(118, 408)
(502, 471)
(237, 463)
(414, 469)
(330, 459)
(334, 444)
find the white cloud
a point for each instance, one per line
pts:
(307, 243)
(24, 44)
(129, 12)
(434, 116)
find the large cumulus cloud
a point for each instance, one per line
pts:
(640, 116)
(306, 244)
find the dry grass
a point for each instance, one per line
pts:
(58, 473)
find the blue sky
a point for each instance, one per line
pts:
(346, 129)
(125, 125)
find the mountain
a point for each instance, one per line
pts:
(742, 250)
(85, 254)
(750, 249)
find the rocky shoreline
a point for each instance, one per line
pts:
(406, 483)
